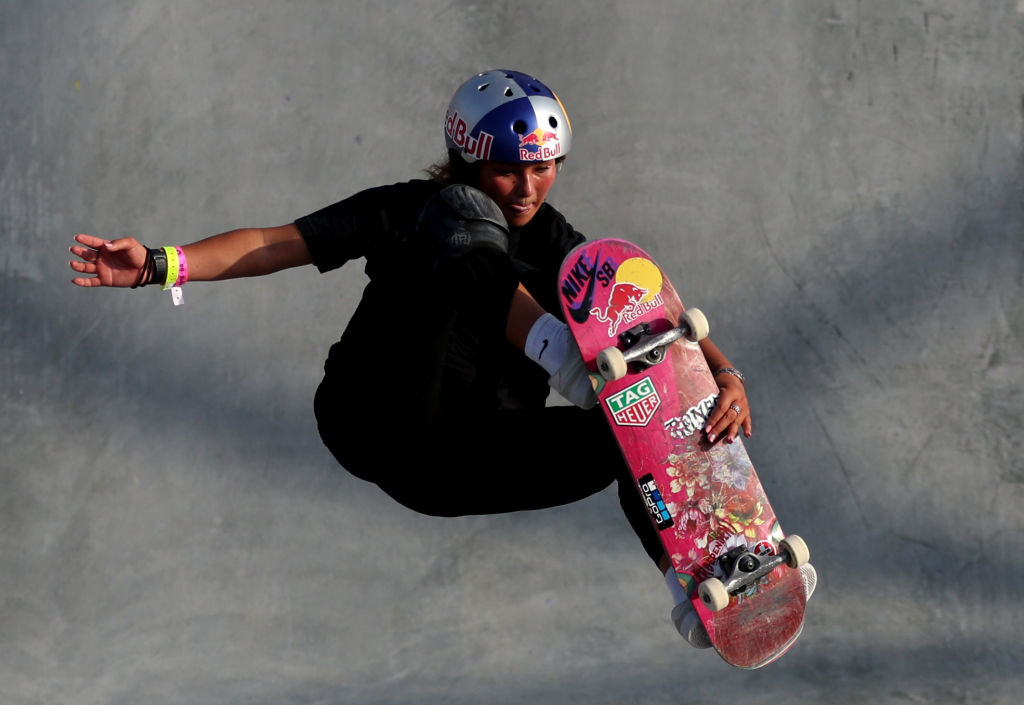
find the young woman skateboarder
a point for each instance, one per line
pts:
(479, 246)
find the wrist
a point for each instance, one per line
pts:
(731, 371)
(159, 257)
(546, 343)
(165, 266)
(150, 269)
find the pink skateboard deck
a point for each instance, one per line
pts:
(705, 500)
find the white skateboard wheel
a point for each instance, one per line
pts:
(796, 549)
(713, 594)
(696, 323)
(611, 364)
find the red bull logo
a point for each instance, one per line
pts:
(637, 290)
(477, 147)
(539, 146)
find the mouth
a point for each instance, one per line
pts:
(520, 209)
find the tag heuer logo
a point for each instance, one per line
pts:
(635, 405)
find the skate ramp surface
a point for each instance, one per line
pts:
(838, 186)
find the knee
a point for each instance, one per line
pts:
(460, 219)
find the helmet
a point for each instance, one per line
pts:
(507, 116)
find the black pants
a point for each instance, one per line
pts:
(394, 414)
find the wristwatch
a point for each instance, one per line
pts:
(731, 371)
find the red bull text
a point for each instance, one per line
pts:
(537, 146)
(478, 147)
(625, 305)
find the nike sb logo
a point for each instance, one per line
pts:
(583, 277)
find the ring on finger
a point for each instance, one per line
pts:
(735, 408)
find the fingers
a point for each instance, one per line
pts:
(124, 243)
(87, 254)
(726, 427)
(86, 281)
(90, 241)
(97, 243)
(84, 268)
(730, 416)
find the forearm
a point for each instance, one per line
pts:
(247, 252)
(715, 357)
(522, 314)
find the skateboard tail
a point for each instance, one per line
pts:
(776, 655)
(759, 627)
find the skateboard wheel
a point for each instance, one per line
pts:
(612, 364)
(796, 549)
(696, 323)
(713, 594)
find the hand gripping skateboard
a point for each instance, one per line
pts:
(705, 500)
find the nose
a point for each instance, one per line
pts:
(525, 187)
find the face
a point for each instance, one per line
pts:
(518, 189)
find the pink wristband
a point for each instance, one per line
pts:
(182, 268)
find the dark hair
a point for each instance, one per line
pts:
(454, 170)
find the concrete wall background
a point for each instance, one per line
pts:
(838, 185)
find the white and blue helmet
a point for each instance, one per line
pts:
(507, 116)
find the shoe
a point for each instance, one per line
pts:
(810, 578)
(461, 218)
(689, 626)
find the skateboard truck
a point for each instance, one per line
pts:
(641, 346)
(740, 569)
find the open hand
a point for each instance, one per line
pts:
(111, 263)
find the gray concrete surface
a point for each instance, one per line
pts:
(837, 184)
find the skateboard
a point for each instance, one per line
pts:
(711, 513)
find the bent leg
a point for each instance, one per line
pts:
(498, 462)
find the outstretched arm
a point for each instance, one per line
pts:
(247, 252)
